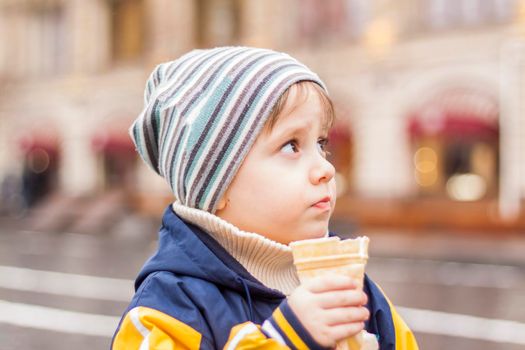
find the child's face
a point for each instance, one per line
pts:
(285, 188)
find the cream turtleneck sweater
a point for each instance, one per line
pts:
(268, 261)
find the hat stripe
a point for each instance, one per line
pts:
(155, 87)
(171, 100)
(142, 142)
(207, 102)
(173, 122)
(149, 150)
(151, 137)
(133, 130)
(172, 147)
(188, 61)
(199, 101)
(185, 83)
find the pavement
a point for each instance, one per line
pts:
(482, 247)
(455, 290)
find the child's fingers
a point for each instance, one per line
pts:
(329, 283)
(341, 298)
(343, 331)
(346, 315)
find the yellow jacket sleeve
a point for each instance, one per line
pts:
(282, 330)
(145, 328)
(405, 339)
(249, 336)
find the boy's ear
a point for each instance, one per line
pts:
(222, 203)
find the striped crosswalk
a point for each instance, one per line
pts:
(120, 290)
(57, 320)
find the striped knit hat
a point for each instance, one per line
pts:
(203, 112)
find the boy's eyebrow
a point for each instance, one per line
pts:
(293, 130)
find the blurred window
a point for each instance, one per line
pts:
(50, 26)
(455, 140)
(452, 14)
(117, 160)
(33, 39)
(321, 20)
(218, 22)
(128, 29)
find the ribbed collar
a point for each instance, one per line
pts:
(268, 261)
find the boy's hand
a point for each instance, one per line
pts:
(330, 308)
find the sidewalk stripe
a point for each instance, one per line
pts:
(46, 318)
(464, 326)
(446, 273)
(121, 290)
(66, 284)
(420, 321)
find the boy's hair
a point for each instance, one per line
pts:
(326, 102)
(203, 112)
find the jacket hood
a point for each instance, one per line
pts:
(184, 249)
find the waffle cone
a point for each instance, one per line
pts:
(318, 257)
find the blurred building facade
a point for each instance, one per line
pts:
(430, 96)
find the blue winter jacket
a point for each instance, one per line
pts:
(193, 294)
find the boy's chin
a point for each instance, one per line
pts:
(299, 233)
(321, 233)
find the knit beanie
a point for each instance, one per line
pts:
(203, 112)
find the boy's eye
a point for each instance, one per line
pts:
(290, 147)
(322, 143)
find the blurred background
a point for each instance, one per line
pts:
(428, 144)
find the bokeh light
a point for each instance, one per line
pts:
(38, 160)
(425, 162)
(466, 187)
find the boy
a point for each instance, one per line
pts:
(239, 134)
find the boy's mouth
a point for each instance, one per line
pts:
(323, 204)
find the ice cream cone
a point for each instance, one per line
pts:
(317, 257)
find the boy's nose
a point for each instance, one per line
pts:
(322, 171)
